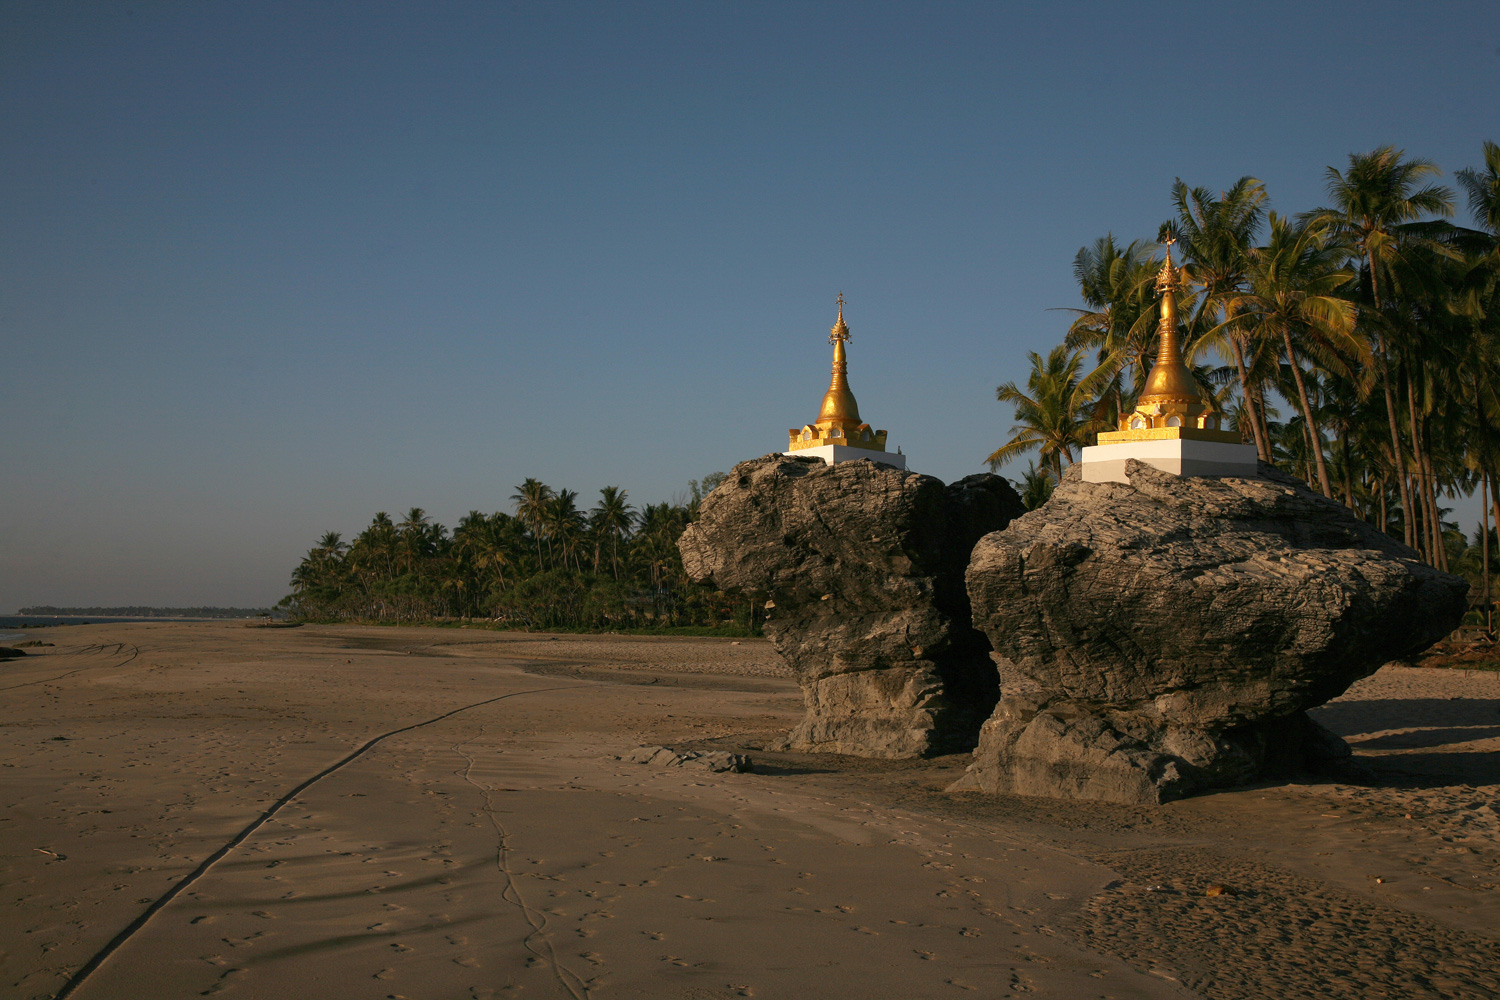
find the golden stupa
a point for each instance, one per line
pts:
(1170, 405)
(1170, 427)
(838, 426)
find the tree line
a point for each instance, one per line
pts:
(548, 563)
(140, 611)
(1356, 345)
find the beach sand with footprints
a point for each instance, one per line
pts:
(208, 809)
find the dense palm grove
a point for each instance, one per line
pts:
(549, 564)
(1355, 345)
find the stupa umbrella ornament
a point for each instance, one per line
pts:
(1170, 428)
(839, 435)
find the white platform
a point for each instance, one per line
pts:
(1105, 463)
(835, 453)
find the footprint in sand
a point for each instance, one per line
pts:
(226, 980)
(384, 974)
(654, 935)
(242, 942)
(592, 957)
(202, 919)
(467, 961)
(925, 956)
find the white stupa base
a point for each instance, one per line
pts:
(1105, 463)
(836, 453)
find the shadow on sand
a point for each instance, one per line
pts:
(1414, 724)
(1351, 718)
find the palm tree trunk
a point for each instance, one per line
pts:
(1265, 426)
(1400, 460)
(1484, 487)
(1262, 451)
(1315, 440)
(1348, 473)
(1423, 479)
(1429, 483)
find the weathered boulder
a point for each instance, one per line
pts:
(863, 565)
(714, 761)
(1166, 636)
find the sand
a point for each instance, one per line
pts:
(494, 844)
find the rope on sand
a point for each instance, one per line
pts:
(115, 943)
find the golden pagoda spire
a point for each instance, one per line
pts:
(838, 418)
(1169, 380)
(838, 401)
(1170, 428)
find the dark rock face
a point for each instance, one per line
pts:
(1167, 636)
(864, 565)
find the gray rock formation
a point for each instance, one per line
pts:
(1167, 636)
(714, 761)
(863, 566)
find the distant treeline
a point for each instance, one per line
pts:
(548, 565)
(141, 612)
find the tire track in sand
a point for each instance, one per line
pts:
(119, 940)
(537, 942)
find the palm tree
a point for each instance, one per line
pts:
(1293, 297)
(1053, 417)
(563, 524)
(611, 518)
(377, 545)
(1036, 486)
(1216, 235)
(1118, 285)
(1376, 205)
(416, 541)
(1483, 190)
(1480, 305)
(531, 499)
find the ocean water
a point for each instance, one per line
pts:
(19, 626)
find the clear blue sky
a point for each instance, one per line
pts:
(268, 268)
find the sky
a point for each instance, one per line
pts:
(269, 268)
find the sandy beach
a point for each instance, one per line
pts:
(414, 813)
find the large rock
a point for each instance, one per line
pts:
(1167, 636)
(863, 566)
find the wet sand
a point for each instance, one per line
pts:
(462, 826)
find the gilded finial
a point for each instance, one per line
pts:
(1166, 280)
(840, 331)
